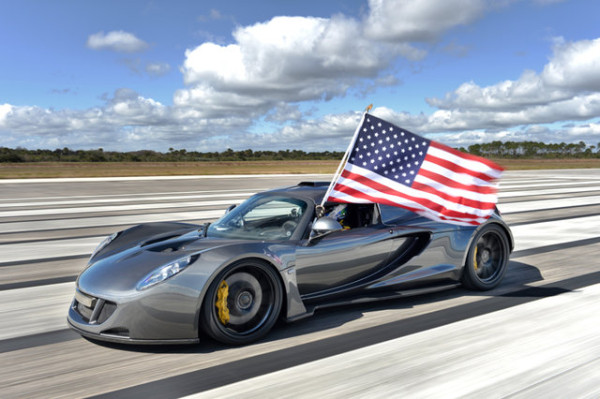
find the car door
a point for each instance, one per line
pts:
(342, 257)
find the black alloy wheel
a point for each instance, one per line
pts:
(487, 259)
(243, 303)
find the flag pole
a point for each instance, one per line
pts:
(320, 208)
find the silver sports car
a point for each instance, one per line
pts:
(271, 257)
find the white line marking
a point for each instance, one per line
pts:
(131, 195)
(120, 200)
(151, 178)
(534, 235)
(572, 190)
(33, 310)
(539, 205)
(116, 208)
(101, 221)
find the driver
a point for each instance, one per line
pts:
(339, 213)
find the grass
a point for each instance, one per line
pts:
(116, 169)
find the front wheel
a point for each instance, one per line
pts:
(487, 259)
(242, 304)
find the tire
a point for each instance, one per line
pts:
(253, 298)
(487, 259)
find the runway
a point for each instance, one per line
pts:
(537, 335)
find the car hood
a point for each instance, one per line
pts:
(128, 259)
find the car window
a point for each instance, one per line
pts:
(389, 213)
(261, 218)
(273, 209)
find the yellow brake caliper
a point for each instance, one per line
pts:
(475, 259)
(221, 304)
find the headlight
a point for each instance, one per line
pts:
(164, 272)
(104, 243)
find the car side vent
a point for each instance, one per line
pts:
(313, 183)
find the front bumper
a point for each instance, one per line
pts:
(163, 317)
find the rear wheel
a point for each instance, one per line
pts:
(242, 304)
(487, 259)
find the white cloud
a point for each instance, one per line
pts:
(157, 68)
(120, 41)
(5, 109)
(294, 59)
(575, 66)
(422, 20)
(288, 59)
(568, 88)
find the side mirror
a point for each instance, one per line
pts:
(230, 208)
(323, 226)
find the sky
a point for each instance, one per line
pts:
(283, 74)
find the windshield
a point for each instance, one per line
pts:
(262, 217)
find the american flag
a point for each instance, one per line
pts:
(390, 165)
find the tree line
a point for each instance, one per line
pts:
(534, 149)
(494, 149)
(99, 155)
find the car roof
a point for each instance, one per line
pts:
(306, 190)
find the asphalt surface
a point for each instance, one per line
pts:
(537, 335)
